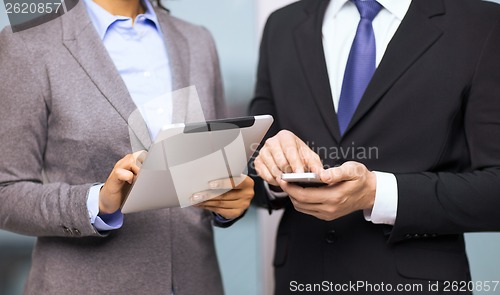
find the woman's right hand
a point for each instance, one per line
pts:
(117, 185)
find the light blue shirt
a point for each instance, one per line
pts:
(139, 53)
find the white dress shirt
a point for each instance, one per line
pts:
(339, 29)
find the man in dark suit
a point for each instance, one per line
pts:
(415, 158)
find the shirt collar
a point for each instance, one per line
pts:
(102, 19)
(396, 7)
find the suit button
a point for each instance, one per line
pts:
(330, 237)
(416, 236)
(408, 236)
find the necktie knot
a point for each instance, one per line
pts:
(368, 9)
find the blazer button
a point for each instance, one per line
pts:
(330, 237)
(408, 236)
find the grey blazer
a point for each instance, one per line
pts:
(65, 114)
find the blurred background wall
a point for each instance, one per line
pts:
(246, 249)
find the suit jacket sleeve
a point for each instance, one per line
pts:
(27, 206)
(451, 203)
(263, 104)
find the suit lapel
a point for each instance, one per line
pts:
(413, 38)
(178, 54)
(308, 40)
(83, 42)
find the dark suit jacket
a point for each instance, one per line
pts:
(431, 116)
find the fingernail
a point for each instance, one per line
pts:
(197, 198)
(214, 184)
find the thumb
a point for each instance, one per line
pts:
(331, 175)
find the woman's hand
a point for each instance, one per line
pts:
(229, 204)
(117, 185)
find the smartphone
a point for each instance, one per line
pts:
(307, 179)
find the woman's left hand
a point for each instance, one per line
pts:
(229, 204)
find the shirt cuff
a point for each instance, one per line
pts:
(221, 219)
(272, 194)
(385, 207)
(103, 222)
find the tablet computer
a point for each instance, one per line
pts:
(185, 157)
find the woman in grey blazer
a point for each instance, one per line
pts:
(64, 124)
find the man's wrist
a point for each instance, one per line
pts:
(384, 209)
(372, 190)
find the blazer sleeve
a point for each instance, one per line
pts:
(451, 203)
(27, 205)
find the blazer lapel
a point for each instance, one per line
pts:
(178, 54)
(83, 42)
(308, 40)
(413, 38)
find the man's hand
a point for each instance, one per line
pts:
(229, 204)
(285, 153)
(351, 187)
(117, 185)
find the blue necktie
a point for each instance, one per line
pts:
(360, 64)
